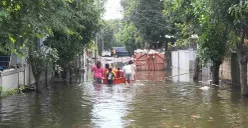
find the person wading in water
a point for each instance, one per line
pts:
(129, 72)
(98, 72)
(110, 76)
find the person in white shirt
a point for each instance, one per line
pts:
(134, 68)
(129, 71)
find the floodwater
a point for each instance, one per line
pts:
(150, 103)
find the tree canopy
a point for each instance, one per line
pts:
(67, 26)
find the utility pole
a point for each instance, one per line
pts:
(96, 44)
(167, 54)
(102, 43)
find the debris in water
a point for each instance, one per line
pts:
(163, 125)
(177, 126)
(195, 116)
(164, 109)
(205, 88)
(139, 84)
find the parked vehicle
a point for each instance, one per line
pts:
(119, 51)
(106, 53)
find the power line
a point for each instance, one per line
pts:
(162, 25)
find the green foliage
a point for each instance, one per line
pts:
(41, 58)
(213, 43)
(148, 22)
(239, 14)
(70, 45)
(8, 92)
(110, 28)
(129, 36)
(67, 48)
(22, 87)
(208, 19)
(183, 34)
(23, 22)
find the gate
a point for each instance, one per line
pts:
(150, 62)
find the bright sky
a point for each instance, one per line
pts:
(113, 10)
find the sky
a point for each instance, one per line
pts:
(113, 10)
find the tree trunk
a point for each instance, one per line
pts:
(196, 69)
(243, 66)
(167, 59)
(70, 75)
(37, 82)
(46, 76)
(37, 75)
(64, 73)
(235, 70)
(215, 72)
(243, 76)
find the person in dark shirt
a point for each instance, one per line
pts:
(110, 77)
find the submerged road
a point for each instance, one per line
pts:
(150, 103)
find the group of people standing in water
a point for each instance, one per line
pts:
(110, 74)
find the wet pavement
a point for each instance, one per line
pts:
(150, 103)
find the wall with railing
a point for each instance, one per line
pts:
(14, 78)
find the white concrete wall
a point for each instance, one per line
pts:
(13, 78)
(192, 54)
(175, 75)
(182, 63)
(9, 79)
(183, 59)
(30, 76)
(21, 78)
(0, 81)
(174, 57)
(181, 75)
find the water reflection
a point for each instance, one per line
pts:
(150, 103)
(110, 105)
(179, 75)
(185, 106)
(150, 75)
(59, 107)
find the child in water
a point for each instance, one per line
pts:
(110, 76)
(107, 66)
(119, 74)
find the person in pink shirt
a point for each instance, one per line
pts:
(98, 72)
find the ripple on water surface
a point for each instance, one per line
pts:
(146, 104)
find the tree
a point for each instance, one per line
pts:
(71, 45)
(210, 23)
(23, 22)
(148, 20)
(213, 47)
(108, 31)
(239, 19)
(130, 37)
(28, 20)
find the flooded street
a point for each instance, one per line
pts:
(150, 103)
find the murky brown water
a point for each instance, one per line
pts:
(148, 104)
